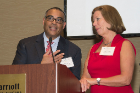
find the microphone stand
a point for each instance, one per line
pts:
(50, 41)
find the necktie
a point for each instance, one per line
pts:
(48, 47)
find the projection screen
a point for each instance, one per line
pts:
(79, 15)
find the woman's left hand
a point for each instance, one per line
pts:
(84, 84)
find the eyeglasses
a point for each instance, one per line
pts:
(58, 20)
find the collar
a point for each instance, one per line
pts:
(56, 40)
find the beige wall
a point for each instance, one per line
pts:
(23, 18)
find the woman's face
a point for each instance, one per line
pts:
(100, 24)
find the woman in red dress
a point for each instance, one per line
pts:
(110, 63)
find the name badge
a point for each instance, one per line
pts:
(68, 62)
(107, 51)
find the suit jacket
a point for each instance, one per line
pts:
(31, 50)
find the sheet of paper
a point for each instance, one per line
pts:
(68, 62)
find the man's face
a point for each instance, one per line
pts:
(52, 28)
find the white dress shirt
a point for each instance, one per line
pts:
(54, 45)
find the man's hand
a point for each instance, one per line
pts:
(59, 57)
(49, 59)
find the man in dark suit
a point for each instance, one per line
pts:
(32, 50)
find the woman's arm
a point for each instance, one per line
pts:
(84, 84)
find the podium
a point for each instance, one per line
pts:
(45, 78)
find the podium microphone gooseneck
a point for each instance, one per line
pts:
(50, 41)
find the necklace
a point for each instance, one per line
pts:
(107, 43)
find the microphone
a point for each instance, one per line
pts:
(50, 41)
